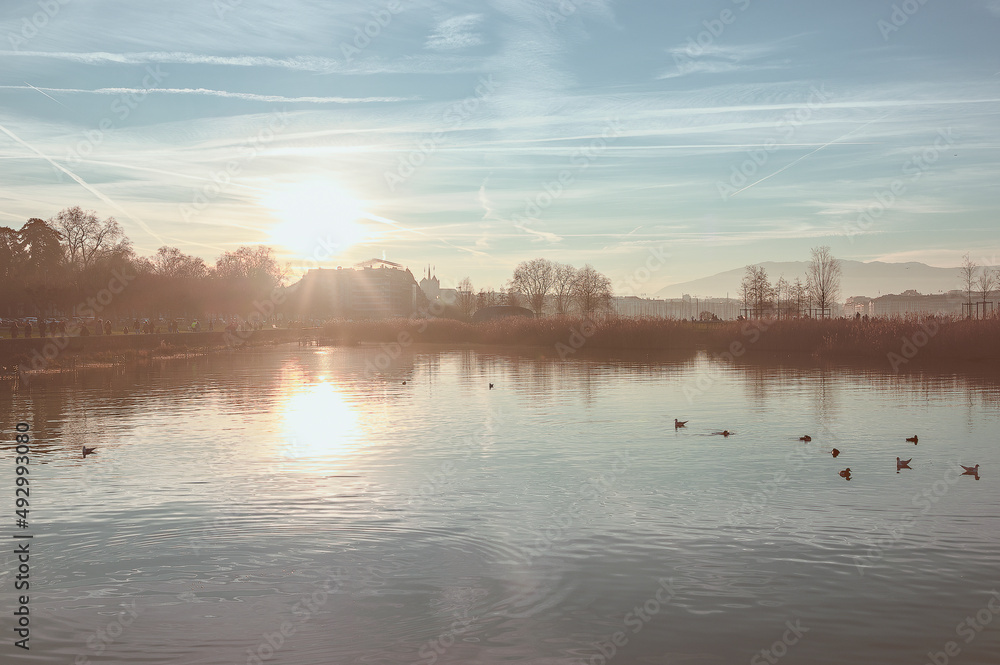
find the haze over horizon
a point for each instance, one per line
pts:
(232, 123)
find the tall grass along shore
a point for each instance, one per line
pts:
(899, 341)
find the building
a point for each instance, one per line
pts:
(911, 303)
(369, 290)
(431, 287)
(676, 308)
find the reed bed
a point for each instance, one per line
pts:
(928, 339)
(898, 340)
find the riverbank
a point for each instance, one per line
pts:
(899, 343)
(47, 354)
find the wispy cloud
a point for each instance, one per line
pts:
(315, 64)
(456, 33)
(247, 96)
(716, 59)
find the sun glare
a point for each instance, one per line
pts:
(319, 422)
(316, 218)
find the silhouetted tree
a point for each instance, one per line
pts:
(535, 280)
(171, 262)
(465, 298)
(591, 291)
(756, 289)
(967, 273)
(87, 239)
(824, 277)
(781, 296)
(985, 284)
(562, 286)
(800, 296)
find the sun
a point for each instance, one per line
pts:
(317, 218)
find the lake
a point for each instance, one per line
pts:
(304, 505)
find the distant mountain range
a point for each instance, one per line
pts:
(859, 279)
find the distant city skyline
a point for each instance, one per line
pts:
(582, 131)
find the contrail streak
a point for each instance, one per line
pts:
(46, 94)
(82, 183)
(813, 152)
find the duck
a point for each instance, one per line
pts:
(835, 452)
(846, 473)
(805, 438)
(404, 383)
(89, 451)
(971, 469)
(913, 439)
(903, 463)
(491, 386)
(725, 432)
(680, 423)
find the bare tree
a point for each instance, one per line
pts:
(967, 273)
(171, 262)
(88, 239)
(800, 296)
(465, 297)
(781, 289)
(591, 291)
(824, 277)
(758, 294)
(985, 284)
(511, 295)
(251, 262)
(535, 280)
(562, 287)
(746, 290)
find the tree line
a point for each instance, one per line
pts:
(543, 286)
(785, 299)
(63, 265)
(979, 281)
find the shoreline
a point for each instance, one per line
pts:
(893, 345)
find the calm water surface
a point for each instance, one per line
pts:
(294, 506)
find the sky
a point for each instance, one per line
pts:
(657, 141)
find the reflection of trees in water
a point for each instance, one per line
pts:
(827, 382)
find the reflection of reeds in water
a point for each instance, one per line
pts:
(574, 332)
(928, 339)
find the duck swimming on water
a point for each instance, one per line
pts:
(913, 439)
(89, 451)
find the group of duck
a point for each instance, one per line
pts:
(846, 473)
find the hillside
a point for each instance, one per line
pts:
(859, 279)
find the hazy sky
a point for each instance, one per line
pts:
(476, 135)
